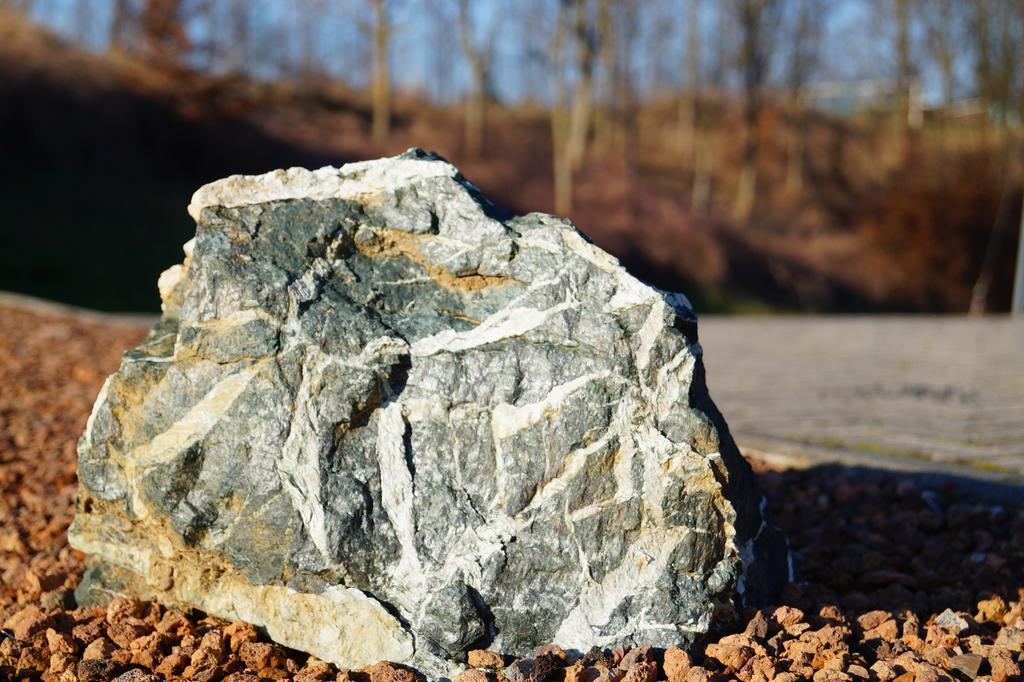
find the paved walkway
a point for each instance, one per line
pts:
(914, 393)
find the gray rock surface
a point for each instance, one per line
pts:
(385, 420)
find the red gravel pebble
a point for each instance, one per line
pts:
(893, 584)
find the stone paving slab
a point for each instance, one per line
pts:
(940, 394)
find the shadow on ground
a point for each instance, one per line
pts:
(866, 539)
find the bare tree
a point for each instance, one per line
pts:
(19, 6)
(805, 27)
(381, 76)
(164, 35)
(123, 16)
(239, 28)
(941, 23)
(903, 66)
(442, 63)
(627, 34)
(994, 45)
(480, 56)
(756, 22)
(604, 118)
(704, 145)
(570, 128)
(1020, 107)
(562, 171)
(83, 14)
(689, 101)
(1008, 53)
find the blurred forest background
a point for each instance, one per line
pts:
(759, 155)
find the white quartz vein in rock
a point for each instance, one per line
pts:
(507, 323)
(357, 181)
(508, 420)
(645, 559)
(397, 492)
(298, 464)
(197, 422)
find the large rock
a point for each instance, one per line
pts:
(386, 420)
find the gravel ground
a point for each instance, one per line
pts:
(895, 582)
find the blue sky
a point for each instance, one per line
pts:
(856, 44)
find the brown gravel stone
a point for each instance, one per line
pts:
(389, 672)
(175, 624)
(732, 656)
(643, 653)
(574, 672)
(677, 664)
(757, 627)
(481, 658)
(260, 656)
(599, 674)
(884, 671)
(642, 671)
(137, 675)
(786, 616)
(124, 632)
(27, 622)
(968, 665)
(991, 610)
(315, 670)
(98, 670)
(147, 651)
(858, 672)
(888, 630)
(33, 658)
(698, 674)
(99, 649)
(1004, 665)
(1011, 638)
(875, 559)
(206, 673)
(475, 675)
(89, 630)
(872, 619)
(238, 633)
(58, 642)
(172, 664)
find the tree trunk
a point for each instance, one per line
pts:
(605, 116)
(1020, 95)
(746, 186)
(942, 41)
(475, 105)
(753, 20)
(900, 126)
(562, 180)
(795, 151)
(982, 47)
(381, 72)
(703, 162)
(119, 24)
(579, 121)
(569, 131)
(476, 100)
(689, 102)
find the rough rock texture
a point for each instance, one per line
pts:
(385, 420)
